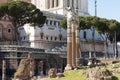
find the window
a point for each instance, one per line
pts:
(50, 22)
(55, 38)
(60, 36)
(58, 23)
(41, 35)
(55, 23)
(51, 37)
(24, 37)
(68, 3)
(46, 37)
(84, 35)
(9, 30)
(46, 22)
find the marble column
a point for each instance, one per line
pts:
(4, 70)
(73, 45)
(69, 47)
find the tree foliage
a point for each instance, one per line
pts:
(102, 25)
(21, 13)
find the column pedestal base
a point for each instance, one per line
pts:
(68, 67)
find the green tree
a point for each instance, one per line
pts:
(102, 25)
(114, 27)
(20, 13)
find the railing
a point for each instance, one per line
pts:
(15, 48)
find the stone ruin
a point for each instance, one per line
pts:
(98, 73)
(25, 69)
(52, 73)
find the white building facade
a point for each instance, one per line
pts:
(51, 35)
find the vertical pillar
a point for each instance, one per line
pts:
(41, 67)
(32, 65)
(4, 70)
(78, 49)
(46, 4)
(55, 2)
(73, 45)
(90, 55)
(50, 3)
(69, 47)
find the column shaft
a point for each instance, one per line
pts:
(69, 48)
(73, 45)
(55, 2)
(4, 70)
(50, 3)
(77, 47)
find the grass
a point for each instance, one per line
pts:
(72, 75)
(78, 75)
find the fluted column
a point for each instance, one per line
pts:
(73, 45)
(4, 70)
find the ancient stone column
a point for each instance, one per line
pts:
(78, 49)
(32, 64)
(73, 45)
(41, 67)
(4, 70)
(69, 42)
(69, 49)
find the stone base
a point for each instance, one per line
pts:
(68, 67)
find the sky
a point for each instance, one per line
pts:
(109, 9)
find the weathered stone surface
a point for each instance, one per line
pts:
(59, 75)
(98, 73)
(52, 73)
(25, 68)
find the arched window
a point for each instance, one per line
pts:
(9, 28)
